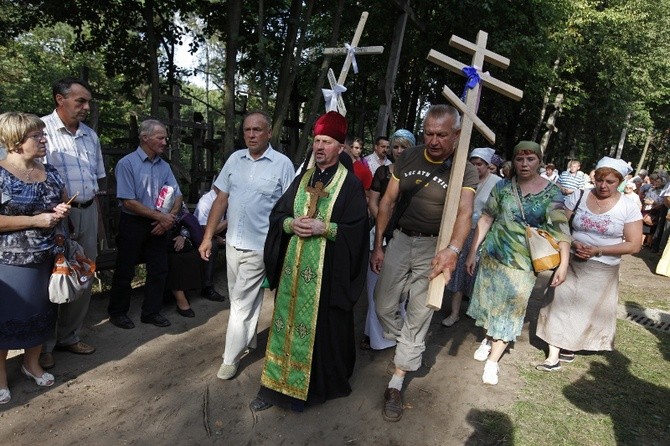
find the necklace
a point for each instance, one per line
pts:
(605, 202)
(27, 172)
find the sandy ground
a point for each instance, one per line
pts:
(155, 385)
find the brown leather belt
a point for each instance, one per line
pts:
(409, 233)
(83, 205)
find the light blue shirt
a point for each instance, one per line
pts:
(140, 178)
(253, 188)
(77, 157)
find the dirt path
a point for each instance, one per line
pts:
(159, 386)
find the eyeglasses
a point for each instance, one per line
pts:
(37, 136)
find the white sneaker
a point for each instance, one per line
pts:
(451, 320)
(490, 375)
(482, 353)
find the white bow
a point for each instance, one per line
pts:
(331, 96)
(351, 51)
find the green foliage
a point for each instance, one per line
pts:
(612, 61)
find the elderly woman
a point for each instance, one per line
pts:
(506, 278)
(31, 207)
(582, 313)
(373, 335)
(461, 282)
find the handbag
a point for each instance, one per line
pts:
(543, 248)
(73, 272)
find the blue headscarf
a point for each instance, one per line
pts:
(402, 133)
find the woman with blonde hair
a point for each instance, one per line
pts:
(31, 207)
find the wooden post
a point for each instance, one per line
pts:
(469, 119)
(391, 72)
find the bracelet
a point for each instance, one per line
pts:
(600, 252)
(454, 248)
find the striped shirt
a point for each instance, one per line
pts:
(574, 181)
(77, 157)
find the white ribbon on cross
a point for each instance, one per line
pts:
(331, 96)
(351, 51)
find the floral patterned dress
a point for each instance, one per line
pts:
(506, 278)
(27, 317)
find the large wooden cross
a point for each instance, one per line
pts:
(469, 119)
(351, 50)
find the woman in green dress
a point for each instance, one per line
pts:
(506, 277)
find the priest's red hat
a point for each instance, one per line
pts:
(331, 124)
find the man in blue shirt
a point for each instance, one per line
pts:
(140, 176)
(249, 184)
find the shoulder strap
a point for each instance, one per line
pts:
(574, 210)
(405, 199)
(516, 192)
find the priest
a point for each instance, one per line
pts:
(315, 256)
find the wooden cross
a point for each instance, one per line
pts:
(351, 50)
(315, 193)
(469, 110)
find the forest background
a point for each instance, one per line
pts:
(596, 69)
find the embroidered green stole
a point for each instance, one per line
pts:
(288, 357)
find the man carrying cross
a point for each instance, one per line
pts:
(316, 258)
(419, 185)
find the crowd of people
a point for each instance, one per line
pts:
(342, 223)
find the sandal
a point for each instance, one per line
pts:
(46, 380)
(5, 396)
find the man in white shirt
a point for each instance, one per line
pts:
(250, 183)
(74, 149)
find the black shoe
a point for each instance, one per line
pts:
(210, 293)
(122, 321)
(186, 313)
(157, 319)
(566, 356)
(259, 404)
(546, 367)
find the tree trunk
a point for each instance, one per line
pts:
(289, 66)
(152, 40)
(317, 97)
(234, 17)
(545, 104)
(262, 56)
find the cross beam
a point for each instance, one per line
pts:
(351, 50)
(355, 49)
(480, 54)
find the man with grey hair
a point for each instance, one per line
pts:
(419, 186)
(74, 149)
(141, 178)
(249, 185)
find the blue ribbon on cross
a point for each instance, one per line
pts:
(473, 79)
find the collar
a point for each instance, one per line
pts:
(269, 153)
(82, 129)
(144, 157)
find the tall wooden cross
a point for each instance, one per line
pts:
(351, 50)
(469, 119)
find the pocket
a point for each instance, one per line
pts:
(268, 185)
